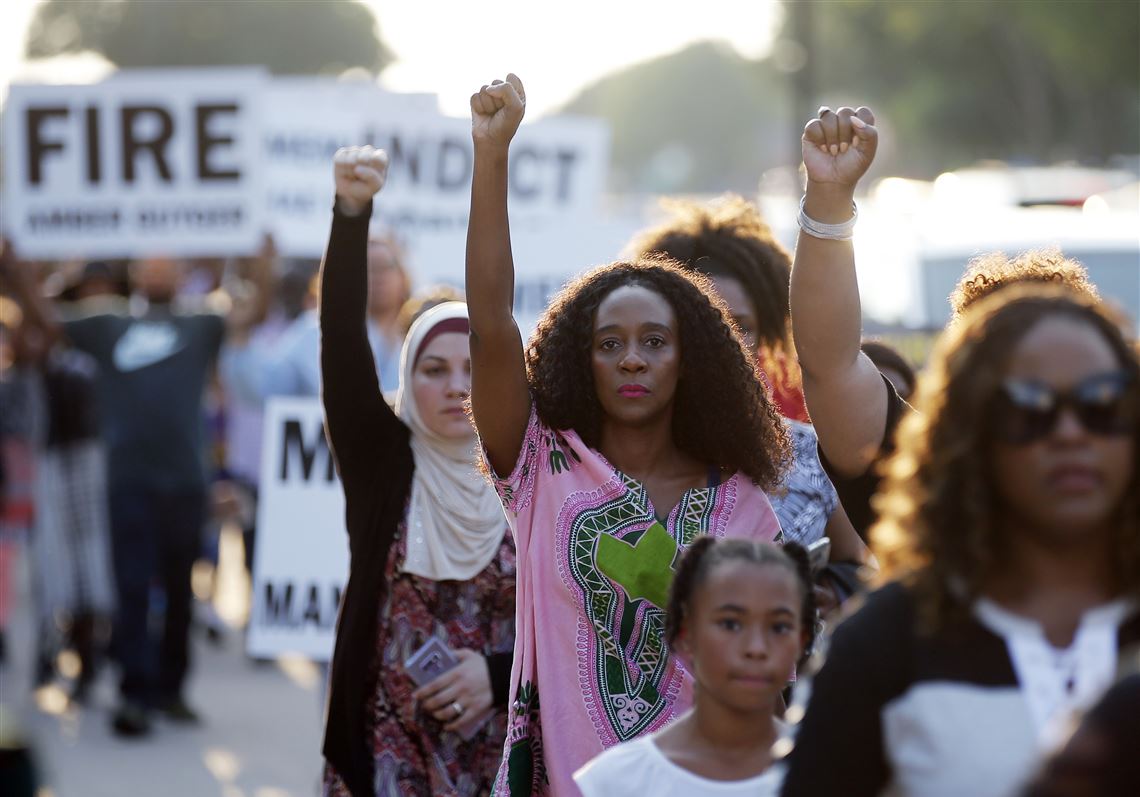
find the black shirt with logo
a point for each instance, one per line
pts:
(153, 370)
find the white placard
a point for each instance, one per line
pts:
(145, 162)
(558, 166)
(547, 253)
(301, 557)
(303, 123)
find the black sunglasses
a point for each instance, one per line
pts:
(1025, 412)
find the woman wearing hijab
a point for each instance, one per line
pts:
(430, 559)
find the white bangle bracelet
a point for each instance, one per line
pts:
(829, 232)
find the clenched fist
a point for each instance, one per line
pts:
(359, 173)
(496, 111)
(838, 146)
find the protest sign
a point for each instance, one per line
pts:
(145, 162)
(301, 560)
(205, 161)
(558, 166)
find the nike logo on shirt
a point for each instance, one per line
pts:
(146, 343)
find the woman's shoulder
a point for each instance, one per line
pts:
(549, 461)
(887, 611)
(803, 435)
(553, 451)
(875, 628)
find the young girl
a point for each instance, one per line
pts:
(741, 615)
(633, 423)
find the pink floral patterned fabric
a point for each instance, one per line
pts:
(591, 667)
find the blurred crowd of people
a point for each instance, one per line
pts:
(735, 547)
(133, 396)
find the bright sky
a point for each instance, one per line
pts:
(451, 48)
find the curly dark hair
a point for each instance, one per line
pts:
(990, 272)
(706, 552)
(937, 527)
(731, 239)
(721, 412)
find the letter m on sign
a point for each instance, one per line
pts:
(296, 447)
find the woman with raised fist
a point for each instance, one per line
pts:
(631, 424)
(423, 648)
(1010, 535)
(854, 407)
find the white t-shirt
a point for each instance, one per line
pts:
(639, 769)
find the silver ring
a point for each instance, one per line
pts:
(458, 709)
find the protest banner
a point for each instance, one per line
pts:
(155, 161)
(197, 162)
(547, 253)
(558, 166)
(304, 120)
(558, 173)
(301, 560)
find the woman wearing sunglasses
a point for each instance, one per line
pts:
(1010, 532)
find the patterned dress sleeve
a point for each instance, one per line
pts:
(516, 489)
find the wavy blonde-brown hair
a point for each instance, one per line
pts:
(937, 524)
(993, 271)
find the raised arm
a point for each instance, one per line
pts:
(360, 424)
(500, 399)
(845, 394)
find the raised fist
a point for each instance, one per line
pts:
(359, 173)
(496, 111)
(838, 146)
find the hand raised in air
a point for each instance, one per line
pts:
(839, 146)
(496, 111)
(359, 173)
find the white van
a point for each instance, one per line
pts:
(915, 239)
(1107, 243)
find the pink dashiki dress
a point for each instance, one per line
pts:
(594, 565)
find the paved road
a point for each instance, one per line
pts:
(260, 736)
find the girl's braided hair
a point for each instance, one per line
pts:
(705, 553)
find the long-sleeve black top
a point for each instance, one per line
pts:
(372, 450)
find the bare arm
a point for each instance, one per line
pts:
(847, 550)
(500, 400)
(845, 393)
(845, 543)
